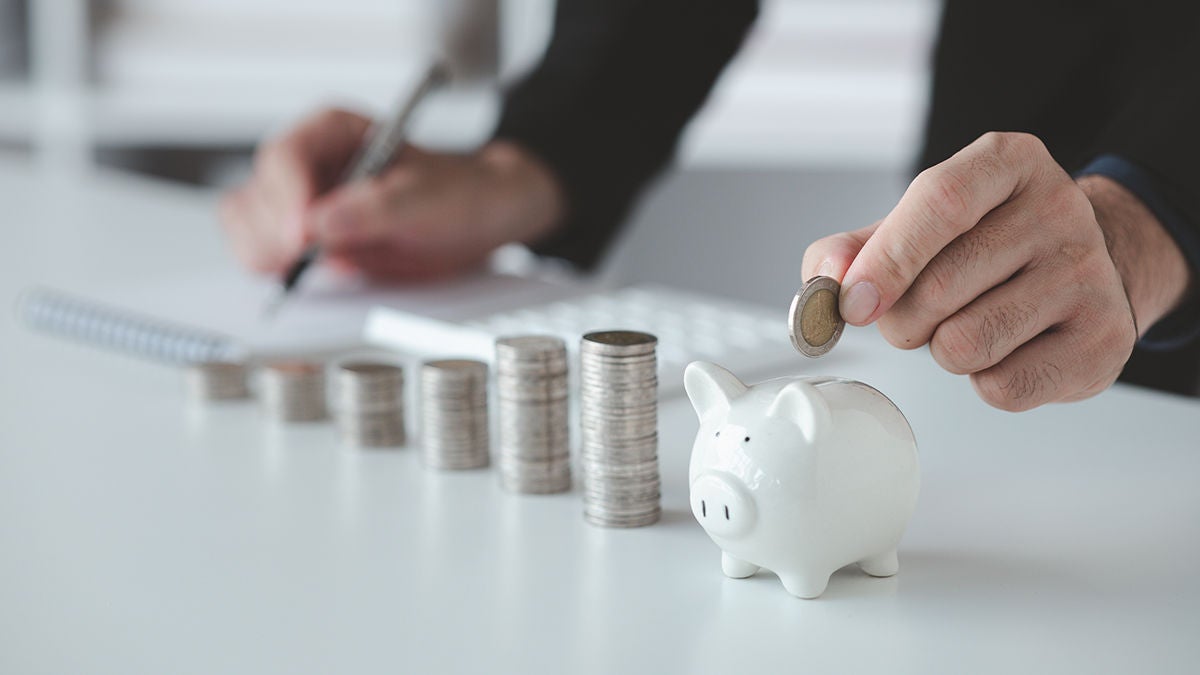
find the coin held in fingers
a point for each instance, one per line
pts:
(814, 322)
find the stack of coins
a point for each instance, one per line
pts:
(454, 414)
(216, 381)
(619, 416)
(293, 391)
(531, 390)
(369, 403)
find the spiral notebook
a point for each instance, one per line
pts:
(220, 317)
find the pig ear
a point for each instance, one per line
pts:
(800, 403)
(710, 388)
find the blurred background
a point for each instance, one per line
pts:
(813, 128)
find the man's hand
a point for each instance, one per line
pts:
(1001, 262)
(429, 215)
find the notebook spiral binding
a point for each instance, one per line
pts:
(90, 322)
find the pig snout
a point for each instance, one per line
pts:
(722, 505)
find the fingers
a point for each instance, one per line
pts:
(359, 214)
(265, 217)
(984, 257)
(941, 204)
(258, 240)
(316, 151)
(1066, 365)
(417, 201)
(832, 255)
(292, 170)
(987, 330)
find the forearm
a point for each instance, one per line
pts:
(1155, 273)
(605, 107)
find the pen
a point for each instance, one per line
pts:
(385, 140)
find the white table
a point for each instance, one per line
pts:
(140, 536)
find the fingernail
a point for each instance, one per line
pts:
(825, 269)
(860, 302)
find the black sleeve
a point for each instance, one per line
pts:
(1157, 129)
(606, 105)
(1157, 125)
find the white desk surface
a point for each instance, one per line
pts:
(139, 536)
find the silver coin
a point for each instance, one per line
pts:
(814, 323)
(619, 429)
(532, 422)
(216, 381)
(293, 391)
(618, 343)
(368, 397)
(454, 415)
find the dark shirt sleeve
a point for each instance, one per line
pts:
(1156, 133)
(605, 107)
(1182, 326)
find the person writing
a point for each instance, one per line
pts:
(1055, 222)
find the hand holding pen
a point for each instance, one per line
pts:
(426, 215)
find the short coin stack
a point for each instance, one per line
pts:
(369, 400)
(216, 381)
(293, 391)
(454, 414)
(534, 438)
(619, 416)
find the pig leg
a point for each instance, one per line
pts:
(736, 569)
(806, 586)
(882, 565)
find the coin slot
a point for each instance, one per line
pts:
(726, 512)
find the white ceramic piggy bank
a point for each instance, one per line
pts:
(800, 475)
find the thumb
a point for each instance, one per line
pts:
(831, 256)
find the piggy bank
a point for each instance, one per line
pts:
(800, 475)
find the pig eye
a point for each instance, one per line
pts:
(747, 439)
(718, 434)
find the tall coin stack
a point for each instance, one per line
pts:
(369, 401)
(534, 437)
(217, 381)
(293, 391)
(619, 417)
(454, 414)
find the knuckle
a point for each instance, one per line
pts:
(955, 345)
(279, 155)
(946, 196)
(1013, 389)
(969, 341)
(995, 142)
(896, 256)
(937, 282)
(1067, 205)
(1016, 144)
(328, 115)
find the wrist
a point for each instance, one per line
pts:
(1152, 266)
(526, 202)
